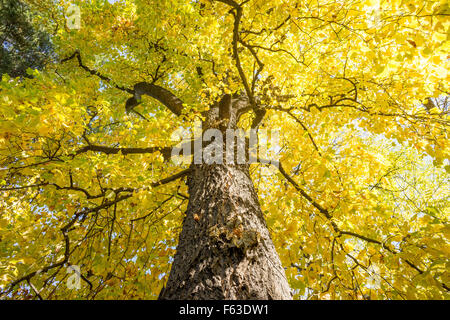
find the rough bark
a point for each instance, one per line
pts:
(224, 249)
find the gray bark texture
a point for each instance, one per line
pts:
(224, 251)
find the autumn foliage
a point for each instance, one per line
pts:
(358, 90)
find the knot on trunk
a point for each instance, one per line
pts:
(234, 235)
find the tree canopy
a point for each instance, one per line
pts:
(358, 89)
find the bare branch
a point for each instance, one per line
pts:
(166, 151)
(93, 72)
(237, 21)
(167, 98)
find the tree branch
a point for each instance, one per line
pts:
(167, 98)
(93, 72)
(164, 96)
(327, 214)
(166, 151)
(66, 228)
(237, 20)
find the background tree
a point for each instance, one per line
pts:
(356, 206)
(23, 44)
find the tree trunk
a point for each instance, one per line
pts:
(225, 250)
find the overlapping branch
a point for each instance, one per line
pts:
(237, 20)
(165, 151)
(340, 232)
(82, 215)
(167, 98)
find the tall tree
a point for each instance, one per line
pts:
(353, 197)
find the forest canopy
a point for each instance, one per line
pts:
(357, 90)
